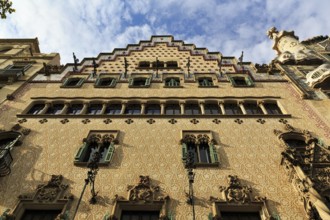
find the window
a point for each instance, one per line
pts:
(160, 64)
(139, 82)
(272, 109)
(205, 82)
(7, 141)
(74, 82)
(212, 109)
(232, 109)
(252, 109)
(192, 109)
(40, 214)
(75, 109)
(18, 69)
(36, 109)
(55, 109)
(102, 143)
(152, 109)
(172, 109)
(201, 148)
(94, 109)
(172, 82)
(172, 64)
(241, 81)
(133, 109)
(240, 215)
(113, 109)
(105, 82)
(144, 64)
(140, 215)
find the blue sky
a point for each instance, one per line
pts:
(88, 27)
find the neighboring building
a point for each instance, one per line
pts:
(159, 112)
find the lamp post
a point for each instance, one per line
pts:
(91, 175)
(190, 165)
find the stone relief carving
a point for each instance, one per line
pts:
(308, 169)
(142, 193)
(197, 139)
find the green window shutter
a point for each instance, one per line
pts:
(232, 81)
(184, 152)
(109, 153)
(81, 81)
(213, 154)
(113, 82)
(65, 81)
(148, 80)
(131, 81)
(97, 81)
(249, 81)
(81, 153)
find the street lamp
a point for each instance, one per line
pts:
(91, 175)
(190, 165)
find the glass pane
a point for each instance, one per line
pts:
(139, 82)
(75, 109)
(191, 148)
(40, 214)
(204, 153)
(172, 109)
(113, 109)
(272, 109)
(55, 109)
(105, 82)
(211, 109)
(240, 81)
(153, 109)
(95, 109)
(252, 109)
(36, 109)
(232, 109)
(72, 82)
(134, 109)
(192, 109)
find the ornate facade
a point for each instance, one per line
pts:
(200, 134)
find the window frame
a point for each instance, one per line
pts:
(133, 111)
(173, 110)
(212, 104)
(34, 105)
(115, 110)
(147, 82)
(153, 110)
(99, 80)
(226, 104)
(247, 79)
(254, 104)
(186, 109)
(209, 83)
(172, 82)
(273, 103)
(79, 84)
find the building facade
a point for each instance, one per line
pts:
(177, 132)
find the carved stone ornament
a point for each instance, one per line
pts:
(46, 195)
(197, 139)
(143, 194)
(308, 169)
(237, 195)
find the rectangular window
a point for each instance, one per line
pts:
(30, 214)
(172, 109)
(133, 109)
(212, 109)
(105, 82)
(95, 109)
(113, 109)
(74, 82)
(205, 82)
(240, 216)
(55, 109)
(252, 108)
(152, 109)
(36, 109)
(75, 109)
(241, 80)
(172, 82)
(140, 215)
(232, 109)
(139, 82)
(273, 109)
(192, 109)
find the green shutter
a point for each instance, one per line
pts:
(232, 81)
(148, 80)
(81, 81)
(97, 81)
(213, 154)
(131, 81)
(113, 82)
(249, 81)
(65, 81)
(109, 153)
(184, 152)
(81, 152)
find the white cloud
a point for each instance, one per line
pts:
(229, 26)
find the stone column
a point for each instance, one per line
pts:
(143, 108)
(47, 105)
(261, 105)
(182, 107)
(241, 105)
(201, 105)
(222, 107)
(162, 108)
(123, 107)
(84, 109)
(65, 108)
(104, 107)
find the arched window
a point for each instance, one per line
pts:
(272, 108)
(252, 108)
(172, 109)
(55, 109)
(36, 109)
(113, 109)
(95, 109)
(212, 109)
(232, 109)
(205, 82)
(75, 109)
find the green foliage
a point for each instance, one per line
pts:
(5, 6)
